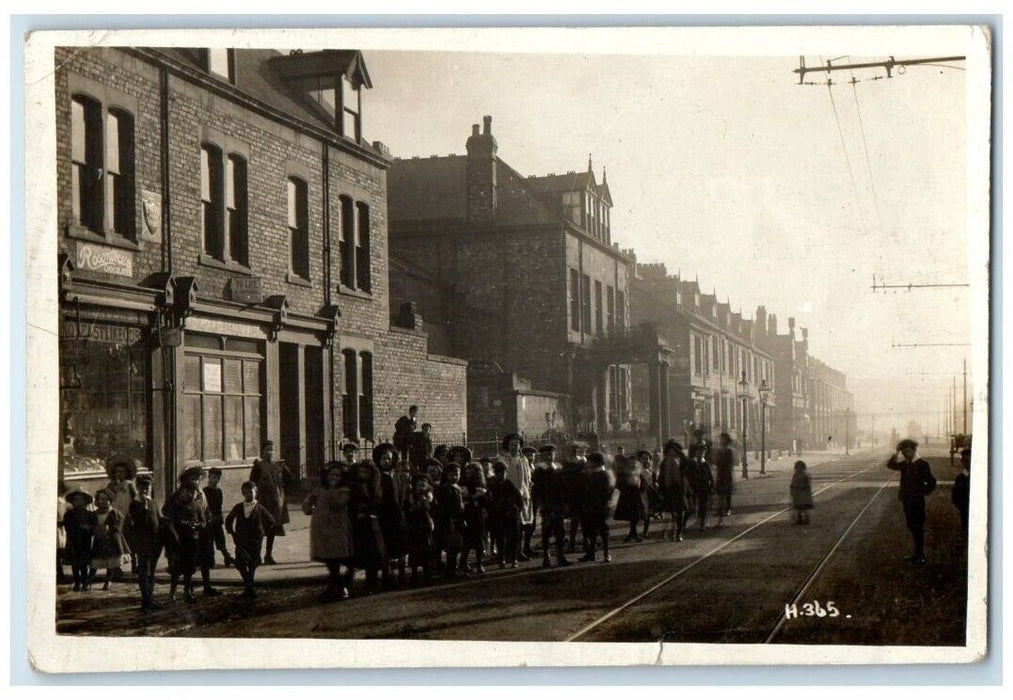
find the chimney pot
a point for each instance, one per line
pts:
(487, 124)
(474, 129)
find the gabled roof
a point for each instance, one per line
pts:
(603, 190)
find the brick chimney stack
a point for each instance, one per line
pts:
(481, 175)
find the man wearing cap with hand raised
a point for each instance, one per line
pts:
(916, 482)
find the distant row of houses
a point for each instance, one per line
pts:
(237, 263)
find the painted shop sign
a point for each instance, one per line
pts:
(102, 259)
(99, 333)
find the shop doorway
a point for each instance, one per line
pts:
(301, 407)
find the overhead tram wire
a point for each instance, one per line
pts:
(844, 147)
(865, 147)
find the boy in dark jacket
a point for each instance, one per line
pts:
(599, 483)
(549, 492)
(504, 515)
(215, 531)
(916, 482)
(249, 523)
(141, 528)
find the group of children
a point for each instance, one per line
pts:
(109, 533)
(390, 516)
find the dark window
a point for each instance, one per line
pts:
(119, 175)
(610, 301)
(574, 300)
(224, 205)
(599, 325)
(102, 167)
(585, 303)
(350, 397)
(362, 277)
(621, 311)
(366, 395)
(347, 242)
(298, 228)
(211, 200)
(86, 158)
(235, 209)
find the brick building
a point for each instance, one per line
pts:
(719, 365)
(520, 276)
(223, 264)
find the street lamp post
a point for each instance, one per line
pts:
(744, 390)
(847, 431)
(764, 397)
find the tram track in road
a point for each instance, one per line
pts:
(615, 613)
(783, 618)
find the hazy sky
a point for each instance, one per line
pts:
(727, 170)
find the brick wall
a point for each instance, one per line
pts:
(404, 371)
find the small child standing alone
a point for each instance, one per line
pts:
(801, 494)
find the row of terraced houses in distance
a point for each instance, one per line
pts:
(238, 263)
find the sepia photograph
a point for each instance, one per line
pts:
(644, 345)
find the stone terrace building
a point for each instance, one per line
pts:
(520, 276)
(813, 403)
(223, 264)
(714, 350)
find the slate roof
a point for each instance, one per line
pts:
(436, 188)
(257, 75)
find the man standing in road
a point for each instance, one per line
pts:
(403, 431)
(519, 473)
(916, 482)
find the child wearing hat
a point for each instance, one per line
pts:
(249, 522)
(80, 525)
(186, 511)
(109, 545)
(141, 528)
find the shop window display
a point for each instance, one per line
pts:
(104, 401)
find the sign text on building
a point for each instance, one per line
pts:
(104, 259)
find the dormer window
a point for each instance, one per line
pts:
(351, 103)
(221, 63)
(333, 80)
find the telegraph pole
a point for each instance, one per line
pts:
(965, 396)
(887, 65)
